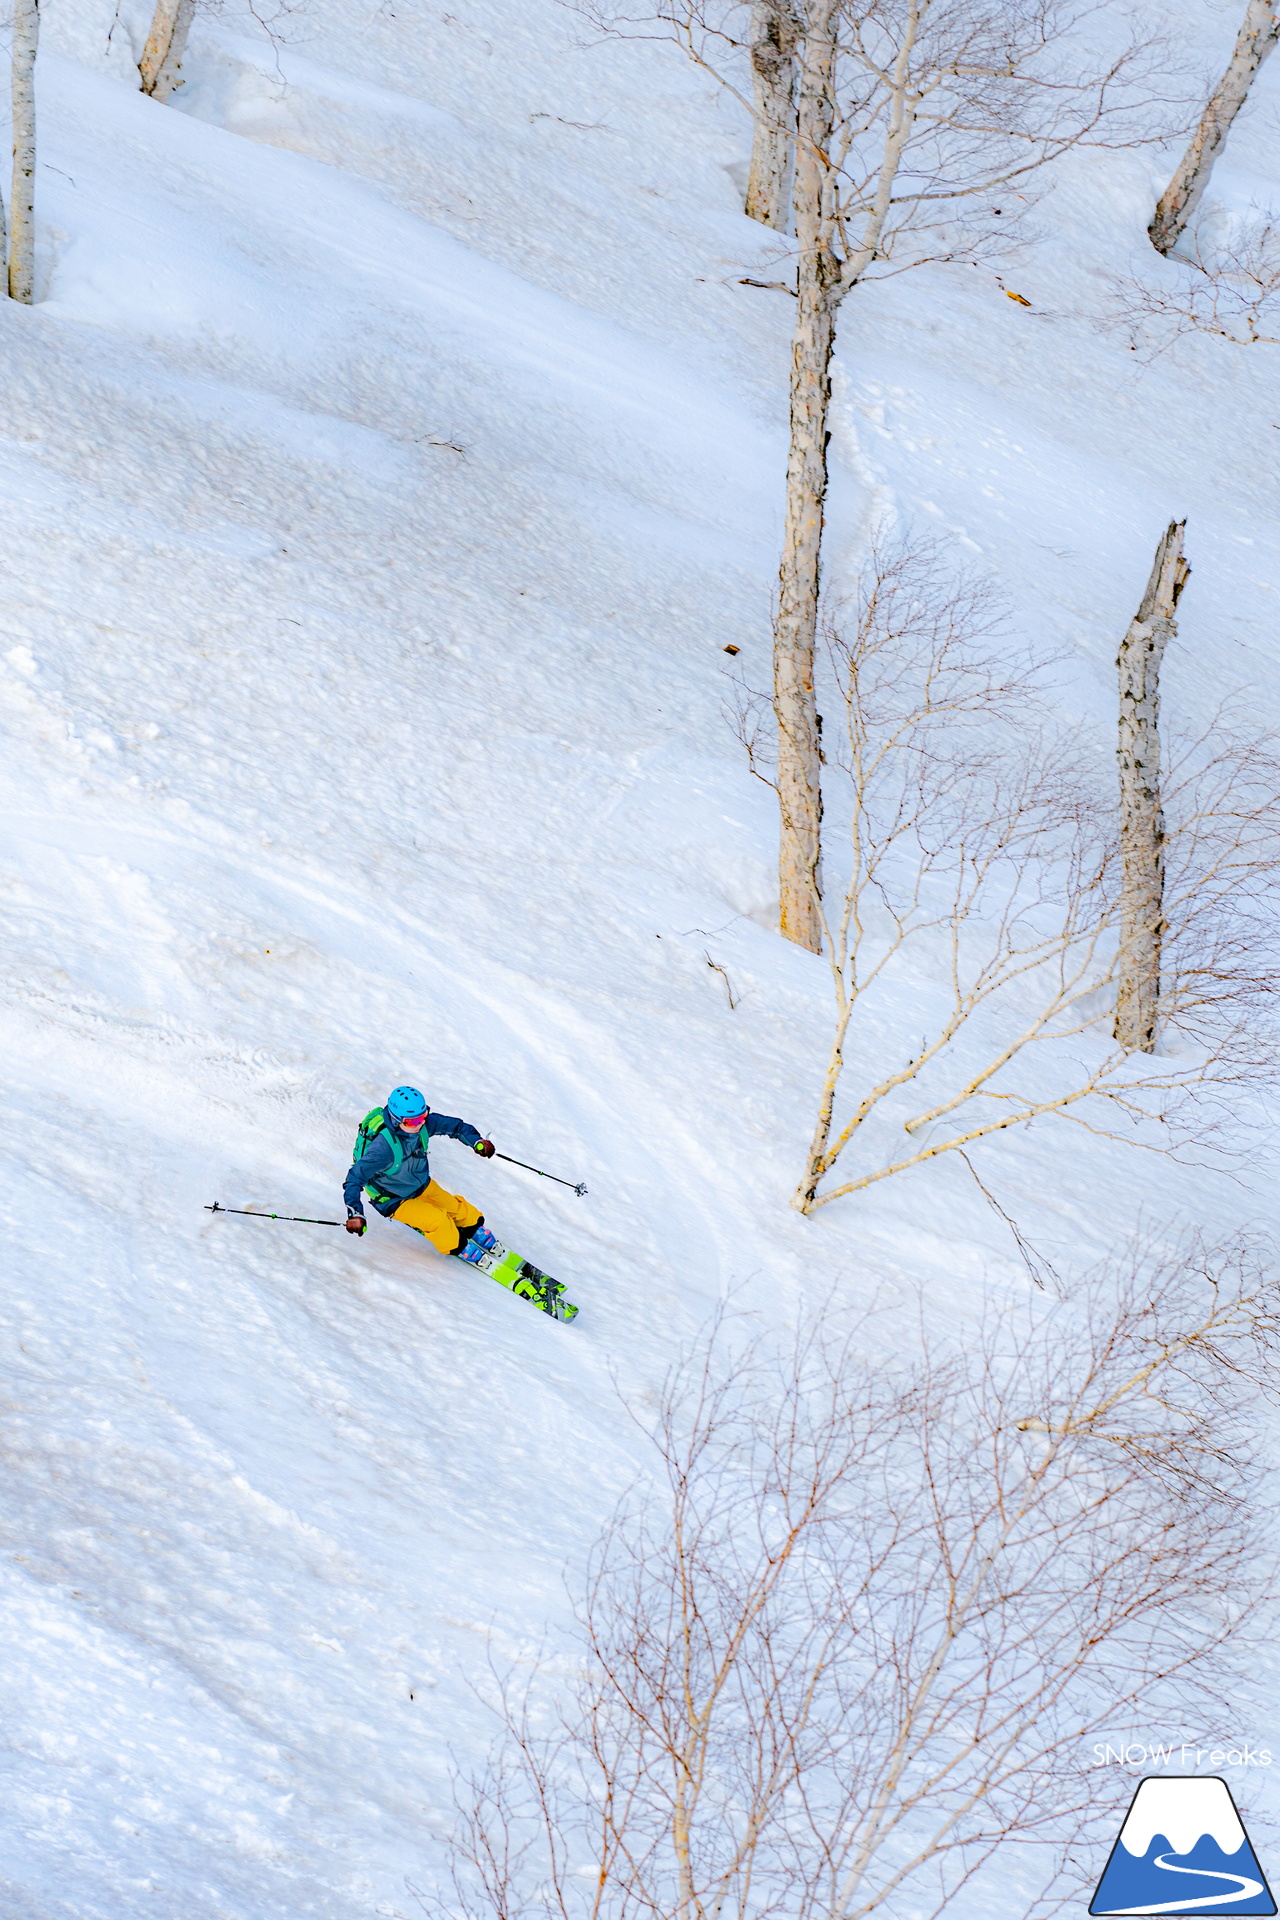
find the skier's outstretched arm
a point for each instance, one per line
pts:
(444, 1125)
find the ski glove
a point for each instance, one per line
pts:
(356, 1222)
(485, 1149)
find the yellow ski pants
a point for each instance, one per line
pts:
(445, 1219)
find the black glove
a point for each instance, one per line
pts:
(485, 1149)
(356, 1222)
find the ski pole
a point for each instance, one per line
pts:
(302, 1218)
(577, 1187)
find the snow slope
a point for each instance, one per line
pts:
(390, 457)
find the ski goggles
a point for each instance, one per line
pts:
(412, 1121)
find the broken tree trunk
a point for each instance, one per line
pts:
(166, 44)
(1178, 201)
(1141, 819)
(22, 211)
(774, 34)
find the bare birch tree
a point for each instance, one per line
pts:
(911, 115)
(1141, 815)
(166, 44)
(774, 33)
(984, 880)
(1256, 38)
(22, 211)
(862, 1630)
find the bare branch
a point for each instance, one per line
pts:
(1229, 290)
(858, 1632)
(981, 846)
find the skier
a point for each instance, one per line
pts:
(394, 1168)
(390, 1162)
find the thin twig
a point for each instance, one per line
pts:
(1024, 1246)
(717, 968)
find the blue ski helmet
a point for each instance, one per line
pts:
(406, 1103)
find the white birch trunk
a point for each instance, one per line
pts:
(156, 50)
(1178, 201)
(166, 44)
(773, 43)
(819, 290)
(22, 232)
(1141, 818)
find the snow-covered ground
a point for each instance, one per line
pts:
(390, 457)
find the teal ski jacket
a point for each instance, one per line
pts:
(413, 1174)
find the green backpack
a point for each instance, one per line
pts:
(374, 1123)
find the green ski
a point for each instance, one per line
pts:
(523, 1278)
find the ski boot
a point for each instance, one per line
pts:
(476, 1250)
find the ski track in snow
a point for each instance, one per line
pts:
(336, 757)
